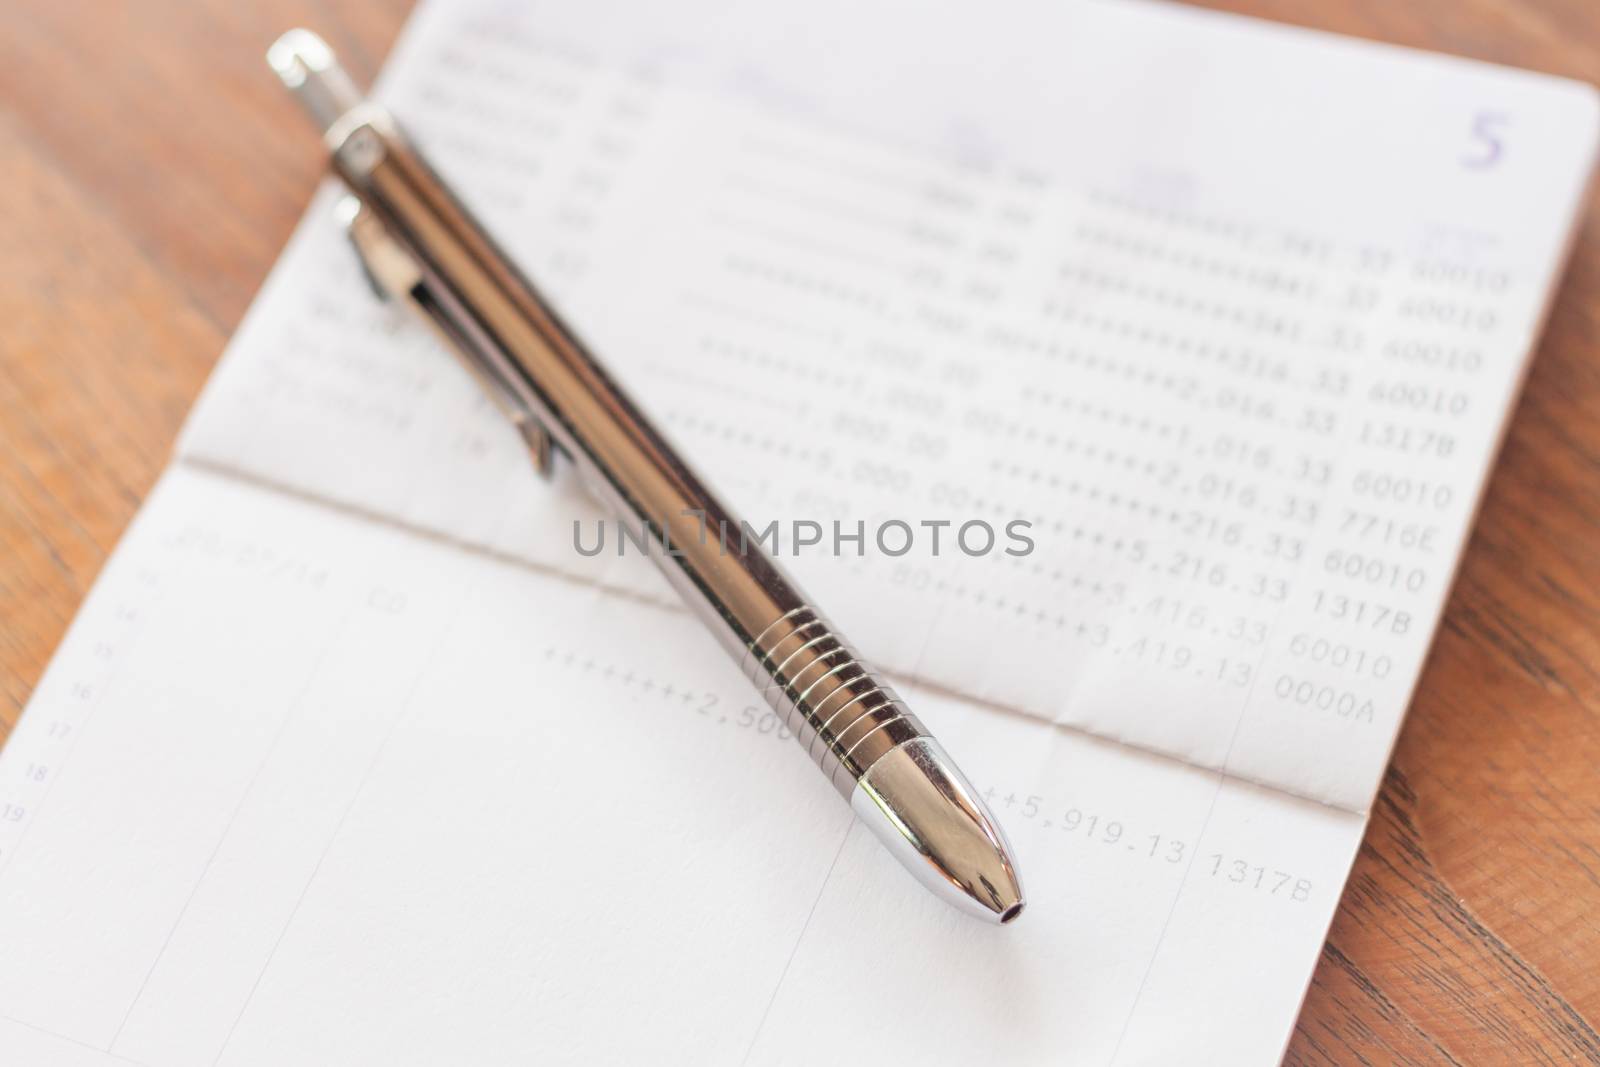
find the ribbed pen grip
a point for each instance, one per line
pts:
(838, 708)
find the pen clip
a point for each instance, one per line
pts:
(394, 274)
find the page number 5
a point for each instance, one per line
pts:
(1488, 144)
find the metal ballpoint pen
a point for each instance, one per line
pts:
(419, 245)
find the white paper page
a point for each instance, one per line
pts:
(1232, 314)
(451, 816)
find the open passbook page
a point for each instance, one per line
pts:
(357, 755)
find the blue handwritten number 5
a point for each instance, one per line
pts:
(1488, 143)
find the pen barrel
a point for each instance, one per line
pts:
(839, 710)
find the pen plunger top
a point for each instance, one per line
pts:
(309, 70)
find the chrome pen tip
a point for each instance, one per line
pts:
(928, 815)
(309, 69)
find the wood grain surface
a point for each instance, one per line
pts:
(152, 170)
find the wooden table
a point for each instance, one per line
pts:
(152, 170)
